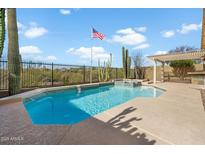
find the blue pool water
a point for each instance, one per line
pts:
(72, 106)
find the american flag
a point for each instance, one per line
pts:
(96, 34)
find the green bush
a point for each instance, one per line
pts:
(181, 67)
(182, 63)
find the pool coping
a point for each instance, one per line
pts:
(38, 91)
(23, 97)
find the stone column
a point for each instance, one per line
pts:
(203, 32)
(162, 72)
(203, 65)
(203, 36)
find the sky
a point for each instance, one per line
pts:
(64, 35)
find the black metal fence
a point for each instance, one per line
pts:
(48, 74)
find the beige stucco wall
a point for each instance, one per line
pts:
(149, 71)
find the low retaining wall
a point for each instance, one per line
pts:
(167, 69)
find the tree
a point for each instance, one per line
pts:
(183, 48)
(181, 67)
(2, 30)
(13, 53)
(139, 61)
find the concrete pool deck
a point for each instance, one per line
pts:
(175, 117)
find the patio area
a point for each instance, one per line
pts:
(176, 117)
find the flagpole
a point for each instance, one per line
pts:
(91, 59)
(97, 35)
(91, 62)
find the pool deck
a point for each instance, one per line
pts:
(175, 117)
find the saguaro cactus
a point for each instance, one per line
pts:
(128, 66)
(126, 62)
(2, 30)
(105, 71)
(108, 68)
(13, 53)
(99, 71)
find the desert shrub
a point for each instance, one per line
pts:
(139, 63)
(181, 67)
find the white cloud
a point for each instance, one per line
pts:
(20, 25)
(141, 29)
(160, 52)
(128, 36)
(51, 58)
(85, 53)
(65, 11)
(44, 58)
(186, 28)
(29, 50)
(35, 54)
(126, 31)
(34, 32)
(33, 24)
(70, 50)
(141, 46)
(168, 34)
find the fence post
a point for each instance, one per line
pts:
(84, 74)
(52, 74)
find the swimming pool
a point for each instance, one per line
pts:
(71, 106)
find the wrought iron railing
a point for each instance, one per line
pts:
(34, 74)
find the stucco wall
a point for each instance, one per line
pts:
(149, 71)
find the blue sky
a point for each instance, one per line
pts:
(63, 35)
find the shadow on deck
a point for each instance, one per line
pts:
(117, 130)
